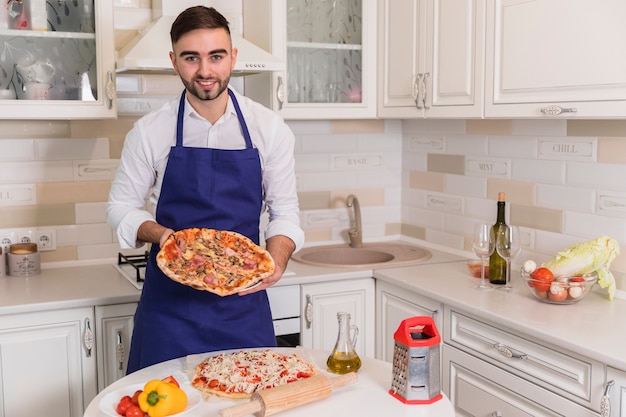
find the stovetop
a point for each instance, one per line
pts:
(133, 268)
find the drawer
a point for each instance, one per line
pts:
(562, 372)
(477, 388)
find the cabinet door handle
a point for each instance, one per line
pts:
(496, 414)
(119, 351)
(88, 337)
(425, 95)
(280, 93)
(308, 311)
(110, 90)
(507, 352)
(605, 402)
(417, 91)
(556, 110)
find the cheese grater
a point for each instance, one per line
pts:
(416, 366)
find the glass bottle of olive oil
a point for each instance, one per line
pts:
(344, 358)
(497, 264)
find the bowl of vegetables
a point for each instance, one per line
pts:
(545, 287)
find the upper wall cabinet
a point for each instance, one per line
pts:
(431, 58)
(556, 59)
(57, 59)
(329, 48)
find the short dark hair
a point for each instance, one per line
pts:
(197, 17)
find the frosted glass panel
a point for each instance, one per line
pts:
(48, 50)
(324, 51)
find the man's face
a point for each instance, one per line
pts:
(203, 59)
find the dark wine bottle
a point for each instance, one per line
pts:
(497, 264)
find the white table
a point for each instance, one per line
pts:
(367, 397)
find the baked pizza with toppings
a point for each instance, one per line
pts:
(219, 261)
(239, 374)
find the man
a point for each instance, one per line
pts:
(211, 158)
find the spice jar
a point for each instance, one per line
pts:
(23, 260)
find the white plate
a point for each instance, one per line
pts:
(109, 402)
(251, 286)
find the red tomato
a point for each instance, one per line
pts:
(543, 277)
(134, 411)
(125, 402)
(135, 397)
(171, 380)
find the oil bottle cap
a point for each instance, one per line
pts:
(500, 196)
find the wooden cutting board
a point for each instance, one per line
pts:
(285, 397)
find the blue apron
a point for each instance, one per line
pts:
(218, 189)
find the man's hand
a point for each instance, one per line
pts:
(152, 232)
(281, 248)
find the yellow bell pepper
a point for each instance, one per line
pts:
(160, 398)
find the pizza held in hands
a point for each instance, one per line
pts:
(219, 261)
(241, 373)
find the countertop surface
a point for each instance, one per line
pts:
(594, 327)
(367, 397)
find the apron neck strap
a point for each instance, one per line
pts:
(181, 116)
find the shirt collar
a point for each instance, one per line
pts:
(230, 110)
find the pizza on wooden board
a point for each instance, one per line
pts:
(219, 261)
(239, 374)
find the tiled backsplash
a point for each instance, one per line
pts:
(425, 179)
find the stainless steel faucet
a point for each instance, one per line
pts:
(355, 233)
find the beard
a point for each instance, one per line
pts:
(204, 95)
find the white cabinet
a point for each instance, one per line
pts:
(57, 60)
(394, 304)
(48, 366)
(330, 53)
(521, 374)
(546, 55)
(113, 333)
(431, 58)
(477, 388)
(321, 303)
(615, 393)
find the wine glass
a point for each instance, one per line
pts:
(508, 246)
(483, 244)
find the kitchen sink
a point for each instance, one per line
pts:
(369, 255)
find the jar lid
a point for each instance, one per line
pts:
(23, 248)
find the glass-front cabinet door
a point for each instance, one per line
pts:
(329, 48)
(56, 59)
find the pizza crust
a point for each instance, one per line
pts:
(219, 261)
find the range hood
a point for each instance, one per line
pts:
(149, 51)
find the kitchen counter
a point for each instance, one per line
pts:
(593, 327)
(367, 397)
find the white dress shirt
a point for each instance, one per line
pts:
(147, 147)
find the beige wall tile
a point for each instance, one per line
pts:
(37, 215)
(366, 196)
(102, 128)
(596, 128)
(612, 150)
(340, 127)
(413, 231)
(516, 191)
(73, 192)
(318, 235)
(393, 229)
(61, 254)
(431, 181)
(537, 218)
(314, 200)
(489, 127)
(448, 164)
